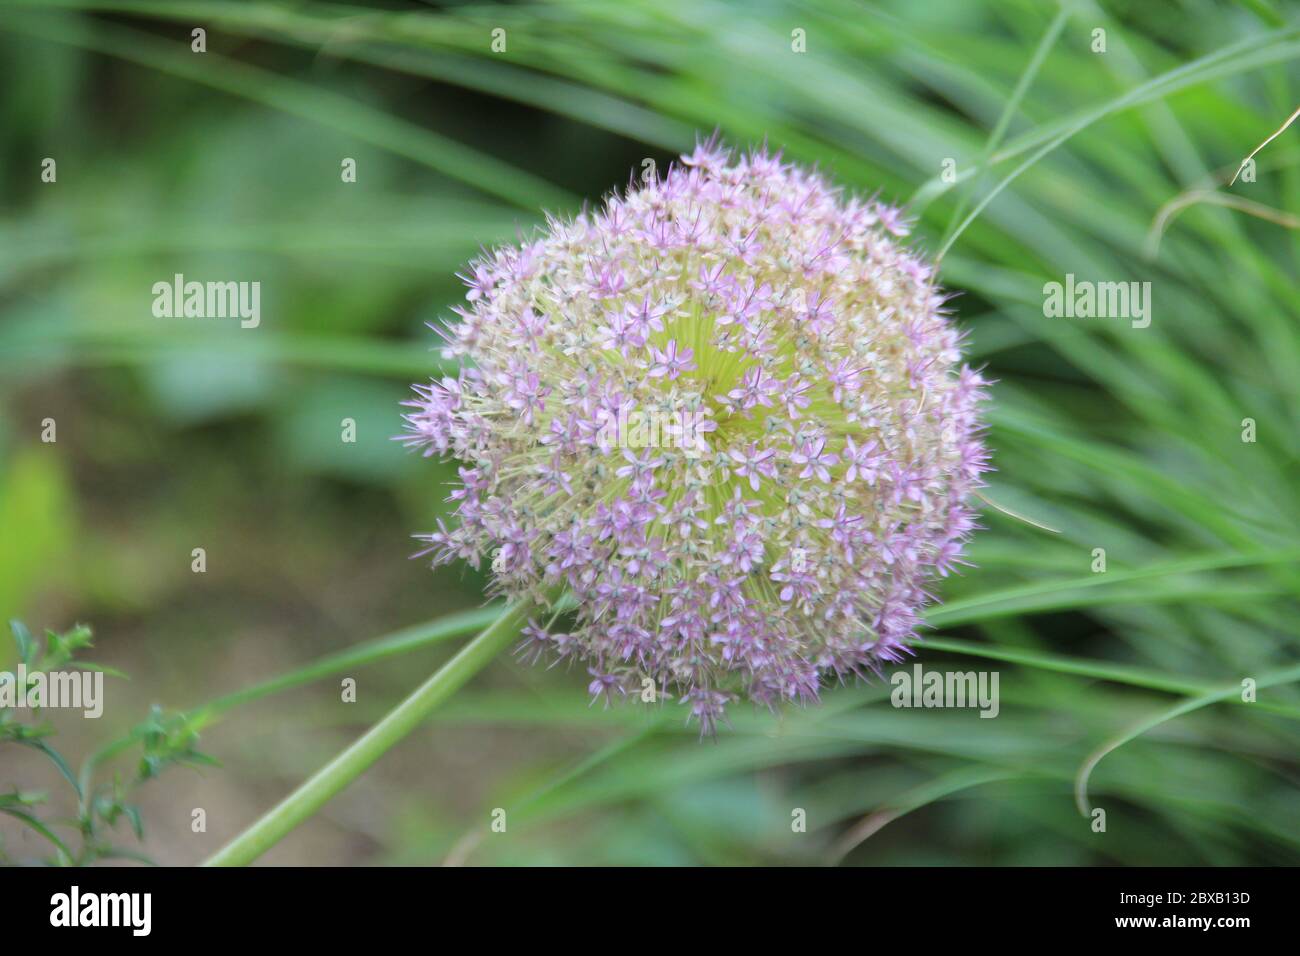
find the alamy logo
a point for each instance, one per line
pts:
(208, 300)
(74, 908)
(922, 688)
(1098, 300)
(633, 428)
(70, 690)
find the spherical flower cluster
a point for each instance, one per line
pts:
(724, 414)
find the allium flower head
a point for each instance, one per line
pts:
(726, 414)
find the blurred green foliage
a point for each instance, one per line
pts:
(178, 434)
(89, 835)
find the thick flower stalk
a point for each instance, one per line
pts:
(726, 413)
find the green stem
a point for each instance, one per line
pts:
(399, 642)
(356, 759)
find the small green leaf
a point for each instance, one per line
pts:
(66, 856)
(61, 648)
(132, 813)
(56, 758)
(99, 668)
(27, 646)
(23, 798)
